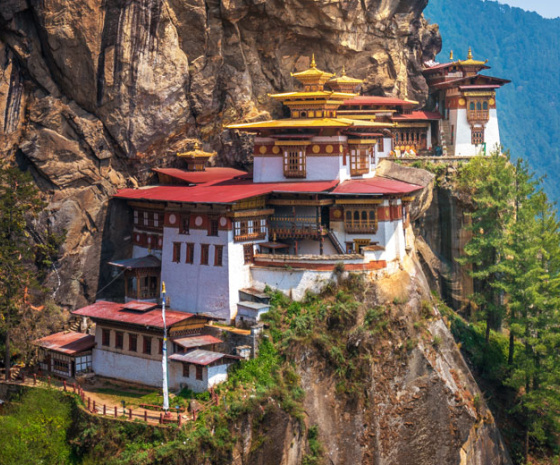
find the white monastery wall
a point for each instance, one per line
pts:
(293, 283)
(492, 133)
(127, 367)
(194, 287)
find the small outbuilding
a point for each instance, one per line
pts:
(66, 353)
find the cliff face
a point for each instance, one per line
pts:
(93, 93)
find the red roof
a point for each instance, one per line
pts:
(488, 86)
(418, 115)
(69, 343)
(223, 192)
(188, 342)
(112, 311)
(449, 65)
(200, 177)
(378, 101)
(377, 185)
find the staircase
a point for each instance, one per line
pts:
(445, 137)
(75, 325)
(337, 245)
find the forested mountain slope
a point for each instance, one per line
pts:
(521, 46)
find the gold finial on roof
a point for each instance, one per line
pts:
(313, 64)
(196, 145)
(470, 56)
(451, 55)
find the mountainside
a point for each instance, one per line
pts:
(525, 48)
(93, 94)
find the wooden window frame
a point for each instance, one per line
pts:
(119, 340)
(477, 136)
(106, 337)
(360, 220)
(132, 342)
(186, 370)
(185, 224)
(218, 255)
(204, 253)
(359, 161)
(176, 258)
(147, 345)
(213, 227)
(189, 256)
(380, 145)
(295, 161)
(199, 375)
(248, 254)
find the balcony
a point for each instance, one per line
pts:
(361, 227)
(250, 236)
(299, 227)
(478, 115)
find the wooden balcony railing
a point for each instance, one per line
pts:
(478, 115)
(254, 236)
(296, 227)
(361, 227)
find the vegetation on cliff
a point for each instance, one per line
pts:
(514, 257)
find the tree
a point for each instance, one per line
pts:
(20, 206)
(490, 182)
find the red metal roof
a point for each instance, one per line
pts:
(200, 177)
(487, 86)
(112, 311)
(418, 115)
(378, 101)
(222, 192)
(201, 357)
(196, 341)
(69, 343)
(377, 185)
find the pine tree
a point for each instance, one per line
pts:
(20, 205)
(490, 181)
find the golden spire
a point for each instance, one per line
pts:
(343, 70)
(313, 64)
(451, 55)
(470, 56)
(196, 146)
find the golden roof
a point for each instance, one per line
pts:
(312, 75)
(470, 62)
(196, 153)
(309, 123)
(322, 94)
(344, 79)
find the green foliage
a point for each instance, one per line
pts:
(522, 47)
(35, 429)
(315, 447)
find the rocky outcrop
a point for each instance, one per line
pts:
(93, 94)
(420, 404)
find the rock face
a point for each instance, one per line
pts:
(421, 404)
(93, 93)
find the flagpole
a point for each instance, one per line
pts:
(164, 352)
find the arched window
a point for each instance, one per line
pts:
(471, 107)
(485, 105)
(478, 106)
(357, 216)
(349, 217)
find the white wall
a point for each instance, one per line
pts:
(463, 137)
(210, 376)
(239, 274)
(127, 367)
(294, 283)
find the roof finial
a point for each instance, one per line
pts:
(313, 64)
(451, 55)
(469, 56)
(343, 70)
(196, 145)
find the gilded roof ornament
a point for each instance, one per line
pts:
(313, 64)
(470, 55)
(451, 56)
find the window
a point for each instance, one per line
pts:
(186, 370)
(132, 342)
(218, 255)
(147, 219)
(380, 145)
(359, 161)
(294, 162)
(176, 252)
(248, 253)
(119, 339)
(198, 372)
(106, 337)
(477, 136)
(190, 253)
(147, 345)
(160, 346)
(185, 225)
(204, 254)
(245, 230)
(360, 220)
(213, 227)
